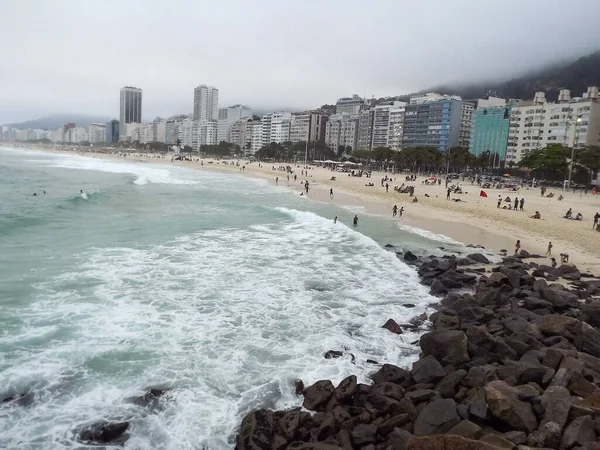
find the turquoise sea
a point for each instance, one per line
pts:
(222, 288)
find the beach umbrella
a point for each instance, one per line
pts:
(482, 194)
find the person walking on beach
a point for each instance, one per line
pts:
(516, 203)
(499, 201)
(401, 211)
(331, 193)
(387, 187)
(448, 193)
(355, 220)
(596, 217)
(549, 252)
(306, 187)
(521, 203)
(276, 181)
(517, 246)
(395, 211)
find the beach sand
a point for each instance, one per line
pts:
(475, 220)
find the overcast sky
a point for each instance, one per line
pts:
(72, 56)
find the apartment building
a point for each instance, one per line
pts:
(350, 105)
(342, 130)
(227, 117)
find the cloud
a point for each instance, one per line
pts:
(73, 56)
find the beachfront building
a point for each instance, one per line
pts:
(307, 125)
(433, 122)
(276, 127)
(257, 136)
(206, 103)
(350, 105)
(75, 135)
(396, 130)
(241, 133)
(489, 131)
(204, 132)
(130, 110)
(431, 97)
(227, 117)
(97, 133)
(571, 122)
(342, 130)
(160, 130)
(112, 131)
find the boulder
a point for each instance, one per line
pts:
(467, 429)
(447, 442)
(427, 370)
(397, 439)
(447, 387)
(590, 340)
(517, 437)
(504, 404)
(498, 441)
(438, 288)
(524, 254)
(438, 417)
(391, 390)
(150, 398)
(578, 432)
(558, 325)
(318, 394)
(498, 278)
(364, 434)
(479, 257)
(447, 346)
(390, 373)
(591, 314)
(332, 354)
(410, 256)
(393, 422)
(346, 388)
(392, 326)
(560, 299)
(104, 432)
(420, 395)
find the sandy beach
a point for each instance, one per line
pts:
(474, 220)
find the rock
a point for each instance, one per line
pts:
(447, 442)
(560, 299)
(467, 429)
(498, 441)
(394, 422)
(390, 390)
(437, 417)
(447, 346)
(364, 434)
(150, 397)
(581, 387)
(438, 288)
(497, 278)
(392, 326)
(409, 305)
(590, 340)
(23, 399)
(298, 387)
(557, 325)
(315, 446)
(503, 402)
(479, 376)
(427, 370)
(578, 432)
(410, 256)
(591, 314)
(104, 432)
(464, 262)
(557, 402)
(447, 387)
(517, 437)
(318, 394)
(346, 388)
(391, 373)
(331, 354)
(524, 254)
(420, 395)
(476, 403)
(398, 439)
(289, 422)
(478, 257)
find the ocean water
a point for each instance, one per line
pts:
(222, 288)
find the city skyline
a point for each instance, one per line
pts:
(428, 45)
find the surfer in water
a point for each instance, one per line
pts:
(355, 220)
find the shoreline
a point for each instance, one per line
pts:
(474, 220)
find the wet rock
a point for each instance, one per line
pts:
(332, 354)
(298, 387)
(504, 404)
(410, 256)
(497, 279)
(578, 432)
(23, 399)
(437, 417)
(150, 398)
(390, 373)
(318, 394)
(479, 257)
(447, 346)
(394, 422)
(409, 305)
(390, 390)
(427, 370)
(104, 432)
(524, 254)
(346, 388)
(392, 326)
(438, 288)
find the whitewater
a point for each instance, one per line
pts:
(221, 289)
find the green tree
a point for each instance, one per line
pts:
(548, 162)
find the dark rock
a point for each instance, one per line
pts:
(391, 373)
(447, 442)
(298, 387)
(438, 288)
(406, 406)
(331, 354)
(557, 325)
(524, 254)
(447, 387)
(289, 422)
(591, 314)
(104, 432)
(23, 399)
(392, 326)
(557, 403)
(437, 417)
(467, 429)
(479, 257)
(364, 434)
(150, 398)
(447, 346)
(420, 395)
(533, 374)
(398, 439)
(590, 340)
(560, 299)
(498, 278)
(410, 256)
(379, 404)
(581, 387)
(408, 305)
(465, 262)
(478, 376)
(503, 402)
(578, 432)
(516, 437)
(390, 390)
(346, 388)
(498, 441)
(532, 303)
(395, 421)
(427, 370)
(477, 404)
(318, 394)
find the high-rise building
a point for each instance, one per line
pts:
(365, 129)
(466, 122)
(350, 105)
(308, 125)
(341, 130)
(76, 135)
(241, 133)
(257, 136)
(160, 130)
(489, 131)
(112, 131)
(130, 108)
(227, 117)
(97, 133)
(571, 122)
(206, 103)
(433, 123)
(396, 130)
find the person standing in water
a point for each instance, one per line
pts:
(395, 211)
(355, 220)
(401, 211)
(276, 181)
(335, 219)
(331, 193)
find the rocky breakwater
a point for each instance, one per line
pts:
(512, 361)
